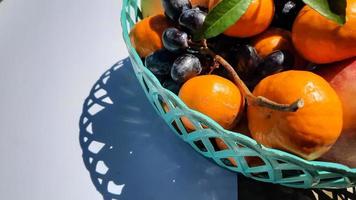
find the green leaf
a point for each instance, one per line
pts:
(223, 15)
(331, 9)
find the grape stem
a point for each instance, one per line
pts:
(250, 98)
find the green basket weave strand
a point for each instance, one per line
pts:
(277, 166)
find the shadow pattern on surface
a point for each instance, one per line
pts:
(132, 154)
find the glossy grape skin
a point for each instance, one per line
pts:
(192, 19)
(160, 62)
(185, 67)
(171, 85)
(246, 60)
(174, 8)
(276, 62)
(285, 12)
(175, 40)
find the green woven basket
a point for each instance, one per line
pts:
(278, 166)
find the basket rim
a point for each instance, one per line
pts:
(320, 165)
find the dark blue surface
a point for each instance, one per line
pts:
(139, 150)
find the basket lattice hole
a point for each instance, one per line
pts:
(230, 162)
(240, 145)
(188, 124)
(330, 180)
(200, 145)
(175, 126)
(203, 126)
(214, 143)
(254, 161)
(145, 84)
(292, 173)
(280, 162)
(220, 145)
(163, 104)
(263, 175)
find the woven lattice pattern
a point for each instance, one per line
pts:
(273, 165)
(100, 156)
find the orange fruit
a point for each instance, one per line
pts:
(321, 40)
(310, 131)
(255, 20)
(146, 35)
(215, 97)
(201, 3)
(274, 39)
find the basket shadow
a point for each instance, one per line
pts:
(132, 154)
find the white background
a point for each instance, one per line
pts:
(51, 53)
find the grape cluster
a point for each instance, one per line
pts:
(250, 66)
(176, 62)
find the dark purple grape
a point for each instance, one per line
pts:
(171, 85)
(174, 40)
(285, 12)
(160, 62)
(174, 8)
(185, 67)
(246, 60)
(192, 19)
(276, 62)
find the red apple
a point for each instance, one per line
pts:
(342, 77)
(343, 151)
